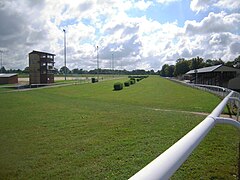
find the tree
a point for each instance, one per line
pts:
(236, 62)
(229, 63)
(26, 70)
(62, 70)
(3, 70)
(170, 71)
(152, 72)
(164, 70)
(182, 66)
(210, 62)
(75, 71)
(196, 63)
(56, 71)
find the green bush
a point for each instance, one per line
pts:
(94, 80)
(138, 79)
(132, 81)
(127, 83)
(118, 86)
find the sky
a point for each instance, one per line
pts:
(138, 34)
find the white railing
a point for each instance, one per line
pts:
(164, 166)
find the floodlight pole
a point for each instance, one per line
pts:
(1, 60)
(97, 64)
(113, 64)
(65, 55)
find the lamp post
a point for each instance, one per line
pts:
(65, 54)
(1, 60)
(113, 63)
(97, 64)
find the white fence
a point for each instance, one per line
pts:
(164, 166)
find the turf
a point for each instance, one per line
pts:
(89, 131)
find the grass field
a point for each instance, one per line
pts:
(89, 131)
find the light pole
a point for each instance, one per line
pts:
(65, 54)
(97, 64)
(1, 60)
(113, 63)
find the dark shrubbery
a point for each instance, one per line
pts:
(94, 80)
(127, 83)
(118, 86)
(132, 81)
(140, 77)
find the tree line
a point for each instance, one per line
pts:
(64, 69)
(182, 65)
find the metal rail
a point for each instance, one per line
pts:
(164, 166)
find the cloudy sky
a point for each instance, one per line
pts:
(142, 34)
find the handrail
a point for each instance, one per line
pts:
(169, 161)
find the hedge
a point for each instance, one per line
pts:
(140, 77)
(118, 86)
(94, 80)
(132, 81)
(127, 83)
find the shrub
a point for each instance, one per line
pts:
(138, 79)
(118, 86)
(127, 83)
(132, 81)
(94, 80)
(141, 77)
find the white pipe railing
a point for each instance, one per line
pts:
(168, 162)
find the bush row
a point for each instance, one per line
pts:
(137, 77)
(133, 79)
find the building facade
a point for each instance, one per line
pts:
(218, 75)
(41, 67)
(8, 78)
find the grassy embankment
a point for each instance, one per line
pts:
(92, 132)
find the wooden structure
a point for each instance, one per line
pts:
(8, 78)
(218, 75)
(41, 67)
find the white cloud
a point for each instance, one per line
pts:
(203, 5)
(143, 5)
(235, 48)
(214, 23)
(166, 1)
(137, 42)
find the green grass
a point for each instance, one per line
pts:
(89, 131)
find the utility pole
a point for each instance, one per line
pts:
(113, 63)
(97, 64)
(1, 60)
(65, 54)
